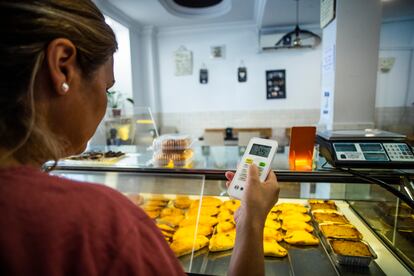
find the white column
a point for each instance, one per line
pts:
(349, 71)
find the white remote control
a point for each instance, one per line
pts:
(259, 152)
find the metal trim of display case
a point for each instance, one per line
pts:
(333, 175)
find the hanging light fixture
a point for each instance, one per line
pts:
(298, 38)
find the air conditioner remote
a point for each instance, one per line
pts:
(259, 152)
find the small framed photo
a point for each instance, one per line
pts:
(218, 52)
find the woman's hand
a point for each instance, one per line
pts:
(258, 197)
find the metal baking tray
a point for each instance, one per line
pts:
(352, 260)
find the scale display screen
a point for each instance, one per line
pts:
(371, 147)
(375, 156)
(345, 147)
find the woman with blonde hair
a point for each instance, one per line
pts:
(56, 64)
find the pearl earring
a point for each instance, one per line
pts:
(65, 87)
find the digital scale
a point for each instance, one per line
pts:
(365, 149)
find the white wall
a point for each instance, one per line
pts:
(122, 60)
(396, 87)
(224, 92)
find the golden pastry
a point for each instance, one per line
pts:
(300, 238)
(231, 204)
(173, 221)
(203, 220)
(272, 216)
(285, 216)
(165, 227)
(171, 212)
(153, 214)
(225, 226)
(189, 231)
(272, 249)
(182, 202)
(290, 206)
(186, 244)
(151, 208)
(291, 225)
(329, 217)
(272, 234)
(158, 203)
(317, 204)
(167, 234)
(205, 210)
(340, 231)
(206, 201)
(272, 224)
(225, 215)
(221, 242)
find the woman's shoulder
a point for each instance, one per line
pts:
(90, 199)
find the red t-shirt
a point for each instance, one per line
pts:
(54, 226)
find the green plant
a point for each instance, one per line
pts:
(115, 99)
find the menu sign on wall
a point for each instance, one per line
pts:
(276, 84)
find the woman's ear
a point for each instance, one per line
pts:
(62, 65)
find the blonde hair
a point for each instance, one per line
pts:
(26, 29)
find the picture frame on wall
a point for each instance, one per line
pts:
(276, 84)
(218, 52)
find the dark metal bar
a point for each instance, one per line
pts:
(332, 176)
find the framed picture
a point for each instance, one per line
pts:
(276, 84)
(218, 52)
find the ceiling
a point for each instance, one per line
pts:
(265, 13)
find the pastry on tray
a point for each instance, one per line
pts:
(203, 220)
(187, 244)
(165, 227)
(272, 234)
(294, 216)
(222, 241)
(205, 210)
(317, 204)
(272, 249)
(340, 231)
(173, 221)
(231, 204)
(272, 224)
(171, 212)
(225, 226)
(225, 215)
(153, 214)
(189, 231)
(207, 201)
(350, 248)
(182, 202)
(291, 225)
(300, 237)
(283, 207)
(329, 217)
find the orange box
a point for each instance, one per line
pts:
(302, 142)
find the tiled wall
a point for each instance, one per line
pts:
(398, 119)
(194, 123)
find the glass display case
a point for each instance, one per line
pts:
(376, 202)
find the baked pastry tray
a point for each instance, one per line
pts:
(301, 260)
